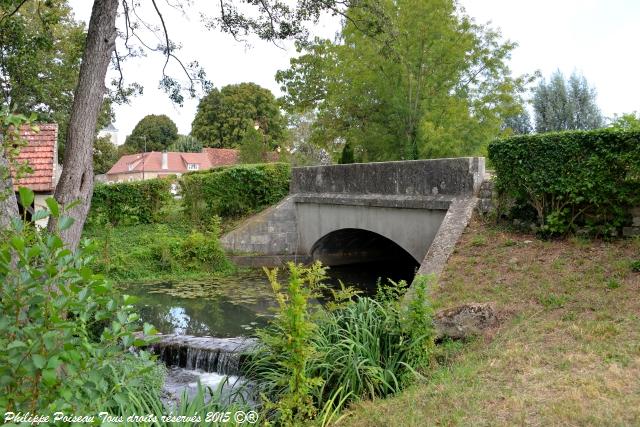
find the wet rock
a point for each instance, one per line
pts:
(465, 321)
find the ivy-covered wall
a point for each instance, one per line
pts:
(137, 202)
(229, 191)
(234, 190)
(567, 180)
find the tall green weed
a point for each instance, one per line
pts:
(313, 361)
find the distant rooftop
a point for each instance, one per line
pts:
(110, 128)
(175, 162)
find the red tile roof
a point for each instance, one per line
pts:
(176, 162)
(41, 153)
(222, 156)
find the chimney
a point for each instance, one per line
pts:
(165, 160)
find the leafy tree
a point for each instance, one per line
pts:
(153, 133)
(105, 155)
(186, 144)
(347, 154)
(253, 148)
(40, 61)
(519, 124)
(566, 104)
(303, 151)
(225, 115)
(408, 79)
(628, 121)
(270, 20)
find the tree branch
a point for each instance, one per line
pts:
(14, 11)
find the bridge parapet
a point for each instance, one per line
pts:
(456, 177)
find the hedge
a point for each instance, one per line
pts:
(571, 179)
(234, 190)
(130, 202)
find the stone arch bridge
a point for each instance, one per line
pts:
(362, 212)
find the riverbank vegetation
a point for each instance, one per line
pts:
(565, 353)
(144, 233)
(313, 361)
(167, 251)
(64, 333)
(66, 340)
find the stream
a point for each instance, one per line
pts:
(225, 310)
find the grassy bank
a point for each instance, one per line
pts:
(567, 351)
(144, 234)
(151, 252)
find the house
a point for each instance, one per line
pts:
(141, 166)
(41, 154)
(110, 132)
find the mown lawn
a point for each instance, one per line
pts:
(567, 351)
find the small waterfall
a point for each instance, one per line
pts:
(220, 355)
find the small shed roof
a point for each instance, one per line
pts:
(41, 153)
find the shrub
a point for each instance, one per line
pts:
(587, 178)
(155, 251)
(203, 249)
(64, 334)
(281, 365)
(140, 202)
(234, 191)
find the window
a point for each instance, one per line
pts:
(193, 166)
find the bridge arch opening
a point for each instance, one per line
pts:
(361, 257)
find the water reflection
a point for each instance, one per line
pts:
(234, 306)
(220, 307)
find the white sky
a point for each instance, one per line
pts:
(598, 38)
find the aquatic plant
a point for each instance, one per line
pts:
(323, 359)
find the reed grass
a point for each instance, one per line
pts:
(363, 349)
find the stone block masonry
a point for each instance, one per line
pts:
(271, 232)
(486, 203)
(454, 177)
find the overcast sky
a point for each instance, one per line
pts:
(598, 38)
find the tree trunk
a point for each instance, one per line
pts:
(8, 201)
(76, 182)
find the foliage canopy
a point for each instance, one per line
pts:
(253, 148)
(566, 104)
(153, 133)
(186, 144)
(105, 154)
(41, 51)
(225, 115)
(408, 79)
(628, 121)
